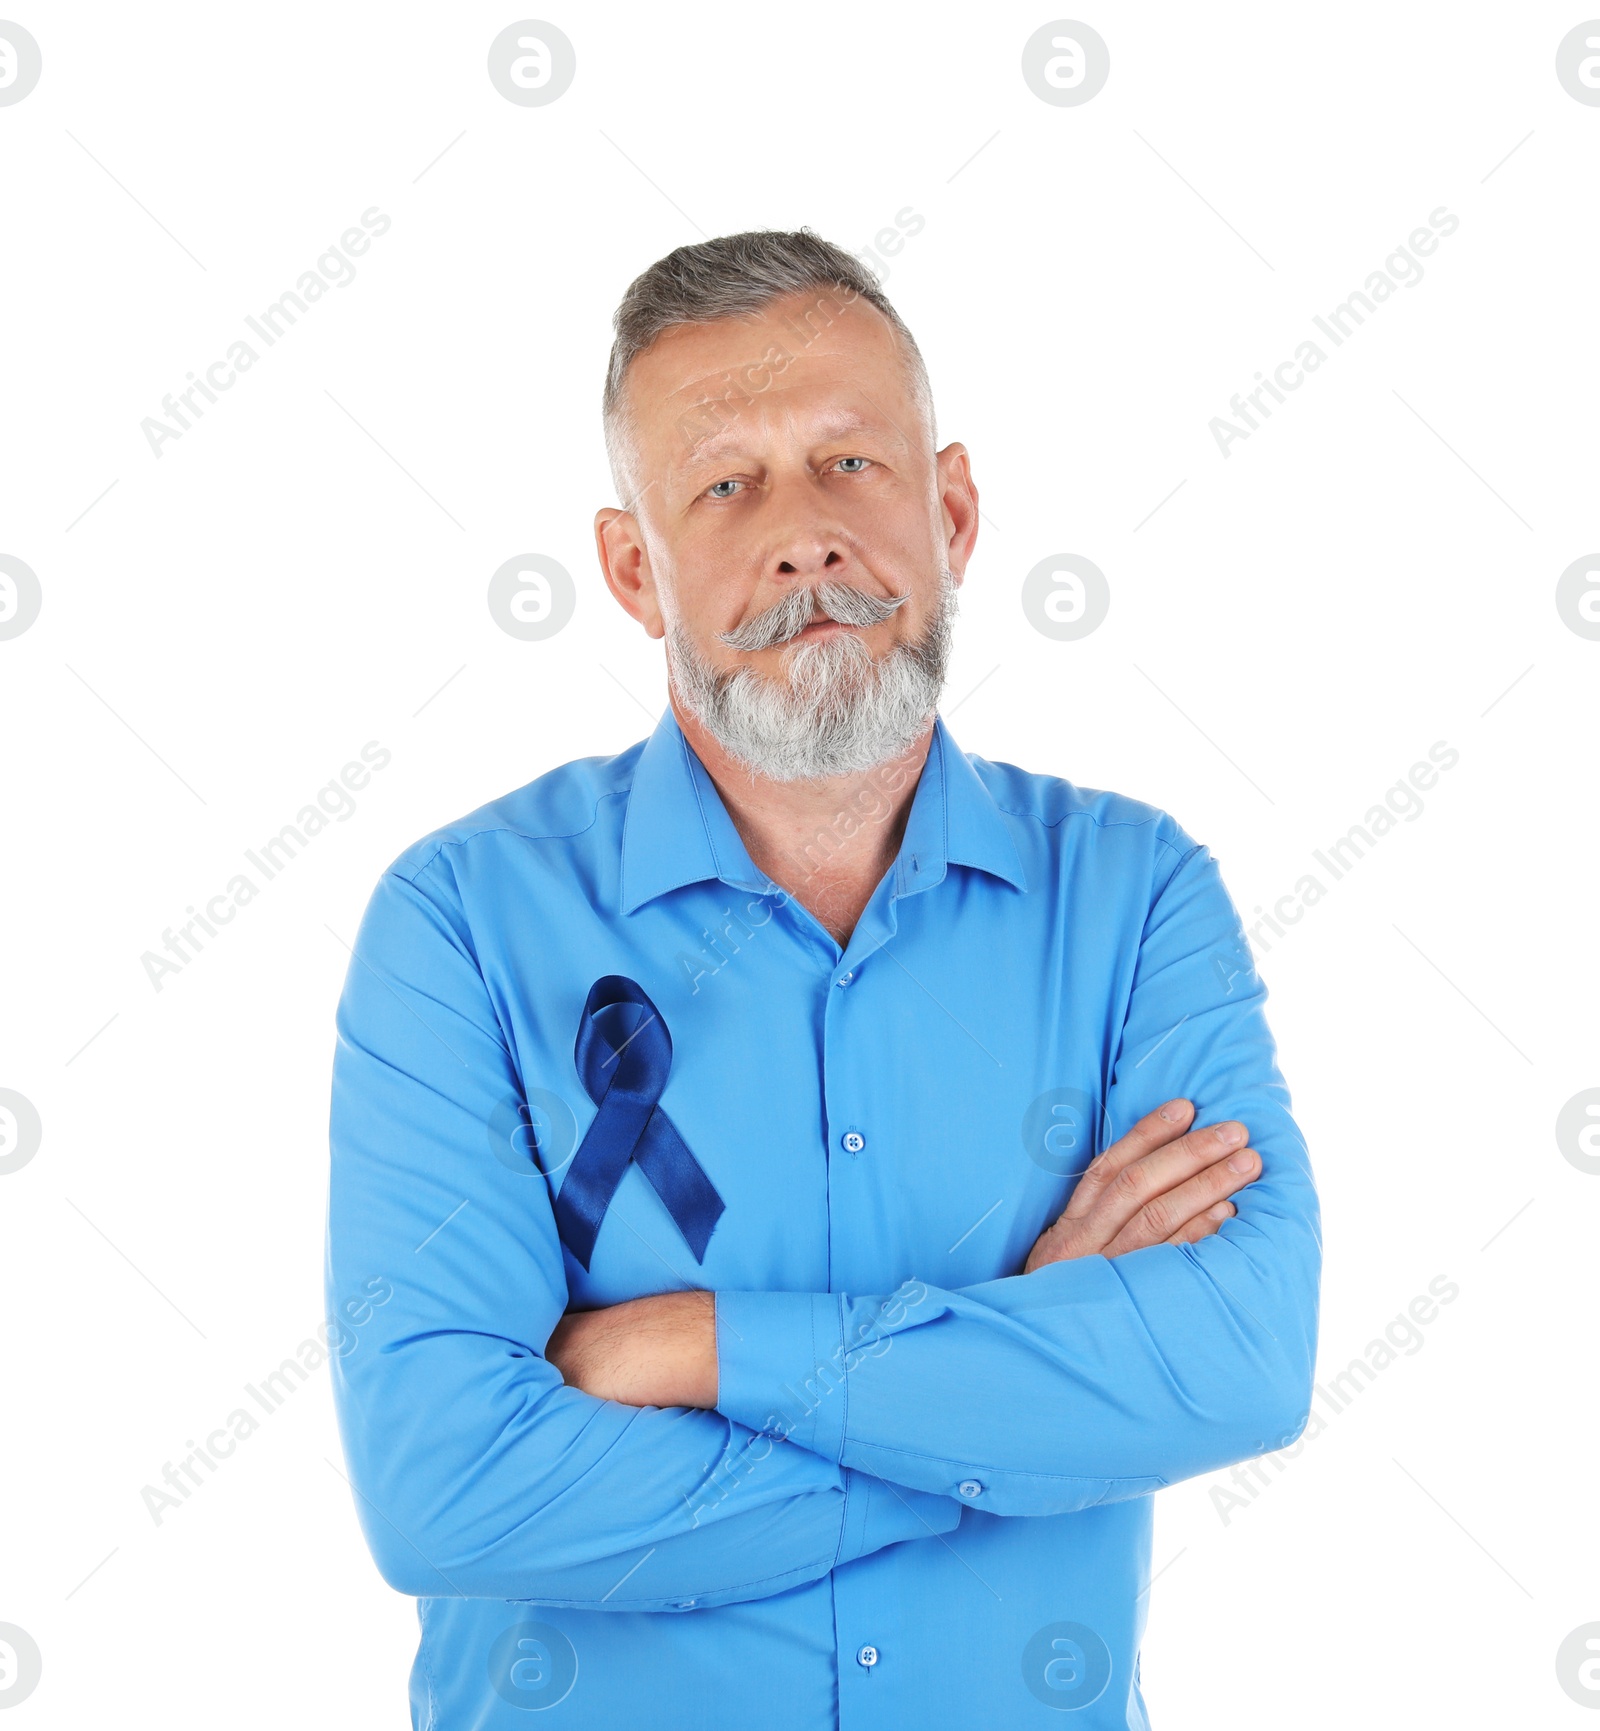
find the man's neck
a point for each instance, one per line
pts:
(828, 843)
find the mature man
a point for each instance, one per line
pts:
(761, 1345)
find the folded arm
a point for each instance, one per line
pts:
(477, 1471)
(1098, 1374)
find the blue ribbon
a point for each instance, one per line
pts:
(624, 1056)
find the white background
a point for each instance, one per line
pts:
(305, 570)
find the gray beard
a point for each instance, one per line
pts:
(838, 712)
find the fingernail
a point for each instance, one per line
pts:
(1172, 1111)
(1242, 1161)
(1221, 1211)
(1228, 1134)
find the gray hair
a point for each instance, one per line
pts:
(736, 276)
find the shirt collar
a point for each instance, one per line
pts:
(677, 831)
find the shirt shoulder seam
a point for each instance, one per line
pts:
(1098, 822)
(411, 874)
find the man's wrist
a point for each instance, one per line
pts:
(694, 1351)
(655, 1351)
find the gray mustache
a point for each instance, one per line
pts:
(790, 616)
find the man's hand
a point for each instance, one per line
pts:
(1155, 1185)
(657, 1351)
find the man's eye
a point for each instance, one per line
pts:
(852, 465)
(721, 489)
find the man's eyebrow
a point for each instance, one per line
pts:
(828, 425)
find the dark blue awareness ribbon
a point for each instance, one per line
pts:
(624, 1056)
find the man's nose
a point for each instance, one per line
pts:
(805, 541)
(808, 555)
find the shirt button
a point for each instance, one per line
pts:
(852, 1141)
(970, 1488)
(867, 1657)
(844, 979)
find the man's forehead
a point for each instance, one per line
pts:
(793, 368)
(691, 362)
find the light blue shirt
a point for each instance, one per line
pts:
(924, 1500)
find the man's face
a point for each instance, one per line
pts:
(776, 454)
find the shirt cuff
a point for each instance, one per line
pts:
(781, 1366)
(877, 1514)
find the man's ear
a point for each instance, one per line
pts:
(958, 495)
(626, 567)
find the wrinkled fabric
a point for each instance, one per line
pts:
(924, 1499)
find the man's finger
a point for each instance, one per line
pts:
(1153, 1131)
(1203, 1225)
(1143, 1180)
(1158, 1218)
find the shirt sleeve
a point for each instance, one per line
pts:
(1094, 1379)
(477, 1472)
